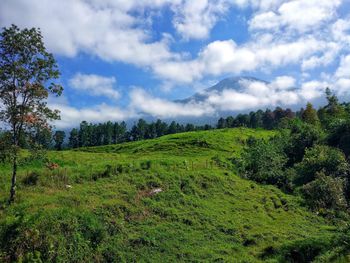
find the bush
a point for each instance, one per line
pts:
(339, 136)
(264, 162)
(5, 147)
(31, 179)
(325, 192)
(321, 158)
(146, 165)
(301, 137)
(305, 250)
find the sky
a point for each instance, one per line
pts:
(125, 59)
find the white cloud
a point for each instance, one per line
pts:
(157, 107)
(106, 30)
(95, 85)
(343, 70)
(220, 57)
(297, 15)
(343, 86)
(121, 30)
(195, 19)
(252, 95)
(284, 82)
(312, 89)
(71, 116)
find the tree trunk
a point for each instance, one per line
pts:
(14, 179)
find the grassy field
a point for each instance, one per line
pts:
(172, 199)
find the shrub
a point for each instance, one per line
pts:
(264, 162)
(305, 250)
(301, 137)
(321, 158)
(146, 165)
(339, 136)
(325, 192)
(31, 179)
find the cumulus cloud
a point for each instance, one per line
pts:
(195, 19)
(297, 15)
(103, 29)
(95, 85)
(251, 95)
(225, 56)
(342, 76)
(284, 82)
(282, 33)
(71, 116)
(141, 101)
(343, 70)
(119, 30)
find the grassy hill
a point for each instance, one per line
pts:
(172, 199)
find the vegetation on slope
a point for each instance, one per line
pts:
(175, 198)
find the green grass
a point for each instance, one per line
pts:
(205, 211)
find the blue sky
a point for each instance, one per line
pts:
(124, 59)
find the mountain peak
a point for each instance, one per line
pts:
(233, 83)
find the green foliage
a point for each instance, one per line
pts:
(333, 113)
(59, 139)
(339, 136)
(305, 250)
(26, 72)
(330, 161)
(325, 192)
(5, 147)
(302, 136)
(31, 179)
(264, 162)
(201, 212)
(310, 115)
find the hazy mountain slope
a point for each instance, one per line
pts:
(233, 83)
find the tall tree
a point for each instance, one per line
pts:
(221, 123)
(25, 69)
(74, 138)
(59, 139)
(310, 115)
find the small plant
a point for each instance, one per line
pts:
(146, 165)
(31, 179)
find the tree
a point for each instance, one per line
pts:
(302, 136)
(25, 69)
(333, 113)
(172, 128)
(229, 121)
(321, 158)
(264, 162)
(74, 138)
(309, 115)
(339, 136)
(59, 139)
(84, 134)
(41, 136)
(221, 123)
(325, 192)
(268, 119)
(108, 133)
(161, 128)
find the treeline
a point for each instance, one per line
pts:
(310, 156)
(259, 119)
(89, 134)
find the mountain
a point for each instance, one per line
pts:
(233, 83)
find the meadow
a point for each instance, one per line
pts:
(177, 198)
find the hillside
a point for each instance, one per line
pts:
(175, 198)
